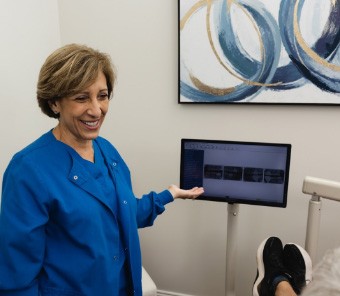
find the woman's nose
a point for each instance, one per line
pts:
(94, 108)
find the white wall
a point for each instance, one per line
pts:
(185, 250)
(29, 31)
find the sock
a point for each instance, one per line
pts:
(278, 279)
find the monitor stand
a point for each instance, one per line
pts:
(233, 210)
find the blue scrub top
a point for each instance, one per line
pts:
(100, 172)
(59, 228)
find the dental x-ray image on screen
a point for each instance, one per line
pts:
(237, 172)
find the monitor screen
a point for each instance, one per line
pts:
(236, 172)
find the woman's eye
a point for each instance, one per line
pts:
(103, 96)
(81, 99)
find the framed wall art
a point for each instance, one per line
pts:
(259, 52)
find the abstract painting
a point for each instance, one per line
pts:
(265, 52)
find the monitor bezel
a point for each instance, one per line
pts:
(204, 197)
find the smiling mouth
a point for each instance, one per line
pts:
(91, 124)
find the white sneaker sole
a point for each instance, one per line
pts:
(260, 267)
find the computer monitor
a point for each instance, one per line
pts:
(236, 172)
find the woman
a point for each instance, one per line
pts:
(69, 218)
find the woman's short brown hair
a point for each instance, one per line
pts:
(69, 70)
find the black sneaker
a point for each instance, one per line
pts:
(299, 266)
(269, 267)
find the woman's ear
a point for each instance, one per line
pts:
(54, 106)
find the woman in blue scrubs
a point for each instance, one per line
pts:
(69, 218)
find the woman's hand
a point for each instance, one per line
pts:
(185, 194)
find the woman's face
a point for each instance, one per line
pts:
(82, 114)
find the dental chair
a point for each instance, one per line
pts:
(148, 285)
